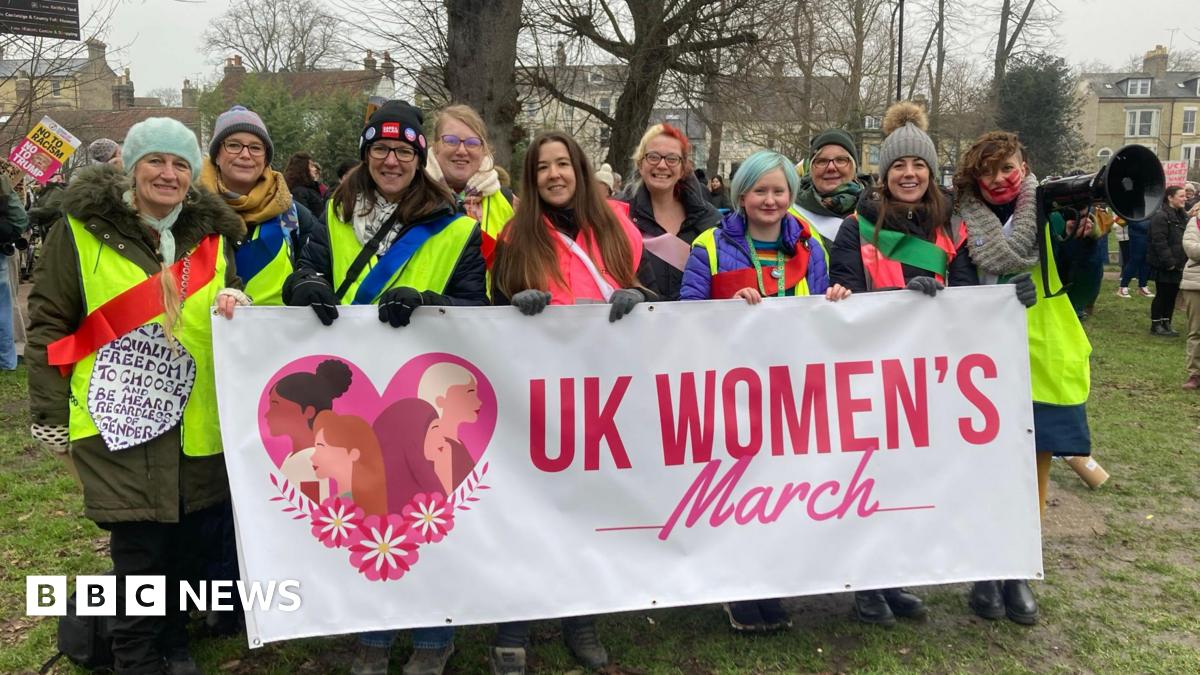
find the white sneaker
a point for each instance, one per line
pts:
(1123, 292)
(1145, 292)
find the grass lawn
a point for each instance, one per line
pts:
(1122, 589)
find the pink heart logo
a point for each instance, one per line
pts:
(378, 474)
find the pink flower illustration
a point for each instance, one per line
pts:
(384, 548)
(429, 516)
(335, 522)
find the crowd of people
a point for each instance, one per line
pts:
(165, 233)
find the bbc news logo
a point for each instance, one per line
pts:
(147, 595)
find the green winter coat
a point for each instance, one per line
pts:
(152, 481)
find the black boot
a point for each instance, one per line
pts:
(1167, 330)
(1019, 603)
(904, 604)
(872, 607)
(987, 599)
(773, 613)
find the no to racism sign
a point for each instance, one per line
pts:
(689, 453)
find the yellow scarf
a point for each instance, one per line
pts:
(269, 197)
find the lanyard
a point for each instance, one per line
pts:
(776, 272)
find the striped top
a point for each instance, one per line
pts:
(767, 253)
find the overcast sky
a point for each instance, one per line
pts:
(162, 37)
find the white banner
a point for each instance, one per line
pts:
(596, 467)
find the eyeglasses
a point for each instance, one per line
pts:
(655, 158)
(823, 162)
(236, 147)
(472, 142)
(404, 153)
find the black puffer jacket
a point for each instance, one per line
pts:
(1165, 252)
(845, 258)
(467, 285)
(699, 216)
(309, 195)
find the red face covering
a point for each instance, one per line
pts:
(1009, 188)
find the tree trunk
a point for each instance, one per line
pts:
(935, 84)
(646, 69)
(481, 57)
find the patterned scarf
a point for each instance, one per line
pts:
(367, 220)
(840, 202)
(991, 250)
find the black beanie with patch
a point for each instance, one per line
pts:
(397, 121)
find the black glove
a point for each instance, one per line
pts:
(1026, 291)
(623, 301)
(315, 291)
(531, 301)
(927, 285)
(396, 306)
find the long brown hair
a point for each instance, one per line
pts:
(422, 197)
(368, 480)
(526, 256)
(984, 158)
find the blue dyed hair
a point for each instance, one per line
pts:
(758, 165)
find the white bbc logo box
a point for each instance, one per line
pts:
(146, 595)
(46, 595)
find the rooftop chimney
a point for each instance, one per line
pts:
(96, 50)
(389, 67)
(369, 63)
(560, 55)
(234, 67)
(189, 95)
(1155, 62)
(299, 65)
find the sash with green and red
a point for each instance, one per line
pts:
(726, 284)
(884, 253)
(132, 308)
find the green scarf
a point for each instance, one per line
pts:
(839, 203)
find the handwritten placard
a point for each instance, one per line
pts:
(140, 384)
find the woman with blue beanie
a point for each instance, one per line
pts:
(135, 267)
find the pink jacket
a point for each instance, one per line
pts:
(579, 282)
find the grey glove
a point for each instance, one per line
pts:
(55, 438)
(927, 285)
(623, 301)
(1026, 291)
(531, 301)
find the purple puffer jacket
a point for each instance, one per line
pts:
(733, 254)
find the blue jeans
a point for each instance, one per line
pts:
(8, 350)
(437, 637)
(1135, 264)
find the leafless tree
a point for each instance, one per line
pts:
(461, 51)
(1024, 25)
(647, 37)
(276, 35)
(46, 73)
(171, 98)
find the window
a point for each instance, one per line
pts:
(55, 88)
(871, 122)
(569, 115)
(605, 105)
(530, 109)
(1189, 120)
(1191, 155)
(1138, 87)
(873, 155)
(1104, 155)
(595, 77)
(1141, 123)
(604, 136)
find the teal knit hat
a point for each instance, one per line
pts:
(160, 134)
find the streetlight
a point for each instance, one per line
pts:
(900, 51)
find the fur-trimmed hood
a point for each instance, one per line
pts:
(96, 196)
